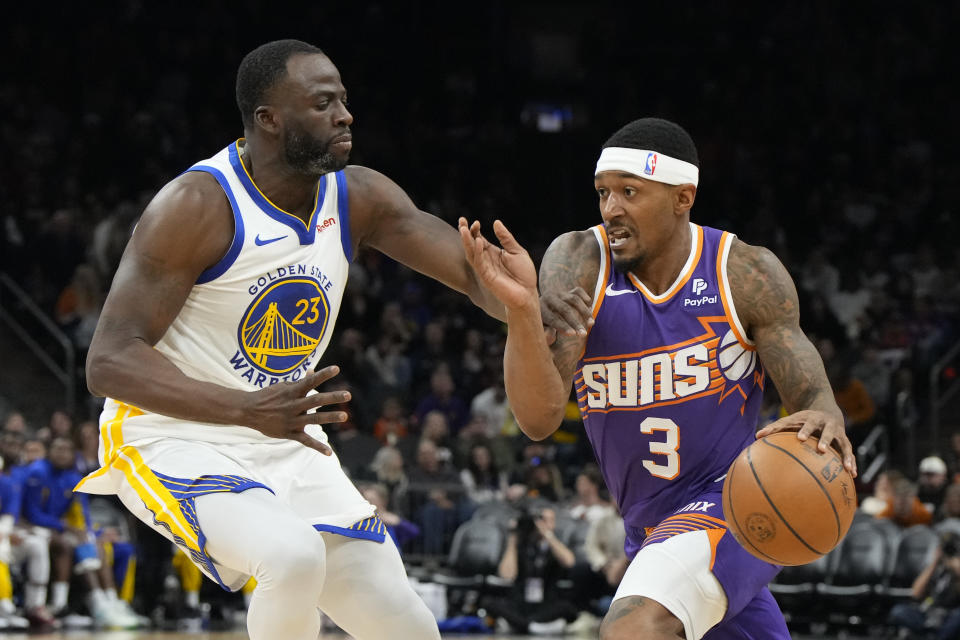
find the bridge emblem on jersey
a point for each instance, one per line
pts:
(284, 325)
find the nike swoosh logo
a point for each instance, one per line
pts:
(618, 292)
(257, 241)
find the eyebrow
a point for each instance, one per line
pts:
(623, 175)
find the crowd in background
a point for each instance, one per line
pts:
(818, 134)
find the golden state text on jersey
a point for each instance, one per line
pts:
(281, 329)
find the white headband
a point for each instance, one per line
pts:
(648, 164)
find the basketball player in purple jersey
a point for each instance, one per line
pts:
(687, 321)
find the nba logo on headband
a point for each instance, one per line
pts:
(651, 164)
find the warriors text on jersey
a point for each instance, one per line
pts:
(263, 314)
(669, 385)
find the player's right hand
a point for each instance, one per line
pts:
(280, 410)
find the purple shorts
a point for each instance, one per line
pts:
(752, 613)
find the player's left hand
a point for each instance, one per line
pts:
(568, 314)
(811, 422)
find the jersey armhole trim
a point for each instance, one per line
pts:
(726, 295)
(221, 266)
(343, 211)
(604, 275)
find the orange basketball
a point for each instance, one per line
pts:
(786, 502)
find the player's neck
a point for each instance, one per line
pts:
(659, 271)
(293, 192)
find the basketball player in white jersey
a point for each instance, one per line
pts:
(223, 303)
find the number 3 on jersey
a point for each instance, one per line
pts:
(666, 448)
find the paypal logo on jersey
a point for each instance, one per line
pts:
(699, 286)
(651, 164)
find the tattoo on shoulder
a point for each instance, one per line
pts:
(767, 304)
(763, 291)
(572, 260)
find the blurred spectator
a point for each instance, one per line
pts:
(389, 364)
(400, 529)
(904, 508)
(434, 428)
(15, 423)
(589, 502)
(936, 595)
(491, 405)
(483, 482)
(849, 303)
(932, 482)
(442, 398)
(88, 458)
(875, 376)
(50, 503)
(435, 494)
(78, 306)
(386, 468)
(34, 449)
(950, 507)
(882, 496)
(533, 561)
(391, 426)
(61, 424)
(852, 398)
(818, 275)
(597, 577)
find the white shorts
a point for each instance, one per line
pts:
(158, 481)
(676, 573)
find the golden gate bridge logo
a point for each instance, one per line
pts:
(284, 325)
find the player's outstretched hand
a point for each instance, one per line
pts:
(280, 410)
(811, 422)
(508, 272)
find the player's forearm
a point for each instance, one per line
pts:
(482, 298)
(820, 400)
(139, 375)
(535, 388)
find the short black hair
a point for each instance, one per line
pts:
(261, 69)
(656, 134)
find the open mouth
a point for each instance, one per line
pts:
(618, 237)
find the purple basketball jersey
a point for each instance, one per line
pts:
(669, 386)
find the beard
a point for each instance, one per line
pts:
(627, 265)
(310, 156)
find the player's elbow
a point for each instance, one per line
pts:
(540, 425)
(99, 372)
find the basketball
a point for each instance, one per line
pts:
(786, 502)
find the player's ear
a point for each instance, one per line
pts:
(684, 196)
(265, 117)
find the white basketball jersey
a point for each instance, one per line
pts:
(263, 314)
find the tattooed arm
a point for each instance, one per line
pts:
(537, 377)
(766, 301)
